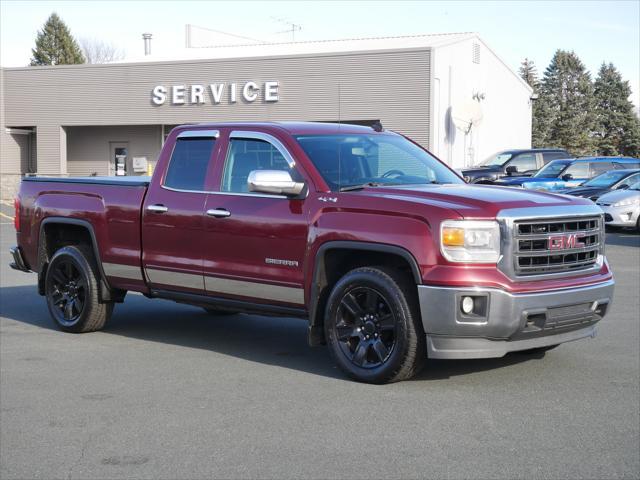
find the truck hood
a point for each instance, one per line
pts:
(471, 201)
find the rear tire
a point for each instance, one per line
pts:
(373, 326)
(72, 291)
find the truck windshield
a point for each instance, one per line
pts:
(347, 161)
(552, 169)
(496, 159)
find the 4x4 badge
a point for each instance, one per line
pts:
(328, 199)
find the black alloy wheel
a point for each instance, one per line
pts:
(67, 291)
(373, 326)
(366, 327)
(72, 291)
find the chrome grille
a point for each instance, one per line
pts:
(556, 245)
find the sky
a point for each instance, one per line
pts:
(598, 31)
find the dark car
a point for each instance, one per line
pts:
(605, 183)
(569, 173)
(512, 162)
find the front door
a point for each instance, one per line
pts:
(255, 242)
(172, 216)
(119, 160)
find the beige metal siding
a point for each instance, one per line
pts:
(88, 148)
(392, 86)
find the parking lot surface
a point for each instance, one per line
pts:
(166, 391)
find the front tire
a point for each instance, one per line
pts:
(72, 291)
(373, 327)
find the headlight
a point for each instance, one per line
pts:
(470, 241)
(628, 201)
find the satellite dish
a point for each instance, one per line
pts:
(466, 115)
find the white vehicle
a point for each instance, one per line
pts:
(622, 207)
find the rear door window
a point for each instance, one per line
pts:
(578, 170)
(189, 163)
(525, 162)
(548, 156)
(600, 167)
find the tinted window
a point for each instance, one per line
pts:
(247, 155)
(578, 170)
(349, 160)
(630, 180)
(551, 169)
(548, 156)
(600, 167)
(189, 161)
(525, 162)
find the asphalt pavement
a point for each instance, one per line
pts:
(166, 391)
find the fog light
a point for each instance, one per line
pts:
(467, 305)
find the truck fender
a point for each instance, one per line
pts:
(319, 280)
(105, 289)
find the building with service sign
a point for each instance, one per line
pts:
(450, 93)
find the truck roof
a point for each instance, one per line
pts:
(293, 128)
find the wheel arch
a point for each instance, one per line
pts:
(325, 274)
(50, 229)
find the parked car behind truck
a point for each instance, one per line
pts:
(386, 251)
(569, 173)
(512, 163)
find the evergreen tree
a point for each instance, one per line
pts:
(55, 45)
(568, 94)
(529, 73)
(618, 128)
(541, 120)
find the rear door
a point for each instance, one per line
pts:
(255, 242)
(172, 216)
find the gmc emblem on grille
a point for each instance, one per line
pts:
(562, 242)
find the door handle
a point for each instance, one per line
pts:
(157, 208)
(219, 213)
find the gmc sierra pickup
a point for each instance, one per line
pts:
(386, 251)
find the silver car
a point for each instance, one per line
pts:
(622, 207)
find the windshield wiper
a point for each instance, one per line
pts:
(350, 188)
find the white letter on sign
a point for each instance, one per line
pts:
(271, 91)
(197, 94)
(216, 91)
(159, 95)
(249, 92)
(178, 94)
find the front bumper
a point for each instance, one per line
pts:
(625, 216)
(508, 322)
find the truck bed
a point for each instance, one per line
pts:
(136, 181)
(109, 206)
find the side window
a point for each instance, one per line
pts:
(548, 156)
(630, 180)
(578, 170)
(600, 167)
(246, 155)
(525, 162)
(189, 162)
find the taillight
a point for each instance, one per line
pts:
(16, 216)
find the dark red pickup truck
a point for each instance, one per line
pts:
(390, 256)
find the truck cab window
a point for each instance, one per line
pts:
(189, 162)
(247, 155)
(525, 162)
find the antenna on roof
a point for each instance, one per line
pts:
(293, 27)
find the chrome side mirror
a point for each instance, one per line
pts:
(277, 182)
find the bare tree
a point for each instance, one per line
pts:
(99, 51)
